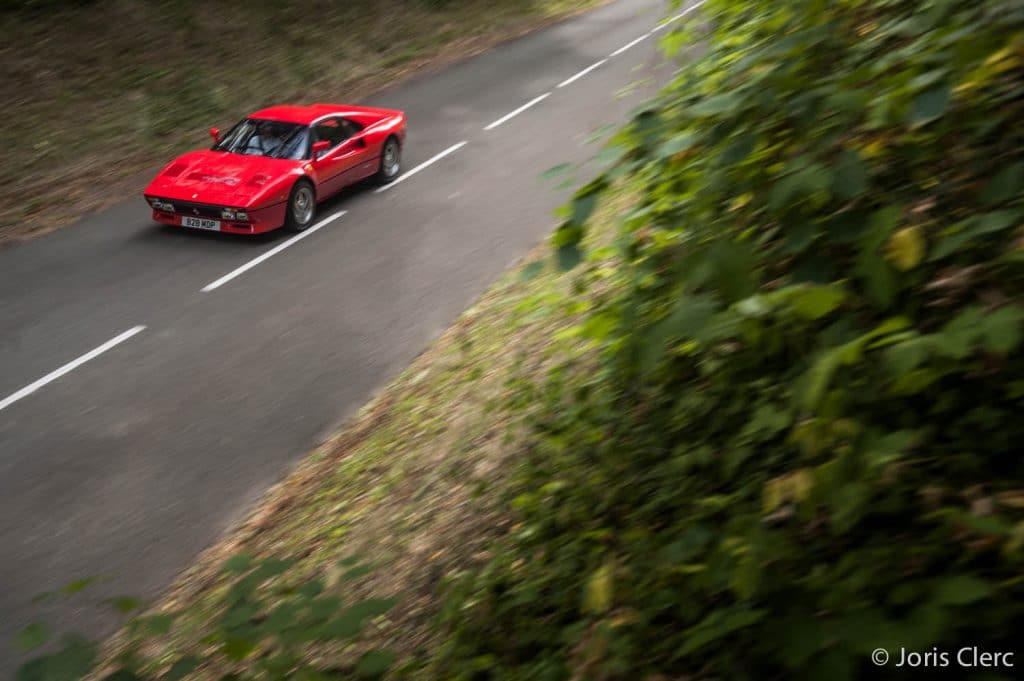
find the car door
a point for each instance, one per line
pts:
(337, 167)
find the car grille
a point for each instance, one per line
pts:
(200, 210)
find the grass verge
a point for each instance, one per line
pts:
(96, 95)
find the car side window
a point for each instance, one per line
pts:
(333, 130)
(351, 127)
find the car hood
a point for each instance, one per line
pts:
(218, 177)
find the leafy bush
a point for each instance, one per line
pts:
(266, 626)
(803, 442)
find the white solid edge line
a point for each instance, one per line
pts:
(669, 22)
(70, 366)
(518, 111)
(434, 159)
(272, 252)
(573, 79)
(630, 44)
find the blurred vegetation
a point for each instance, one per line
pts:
(270, 623)
(95, 95)
(802, 440)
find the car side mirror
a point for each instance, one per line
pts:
(319, 148)
(215, 134)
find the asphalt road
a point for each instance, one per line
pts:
(162, 410)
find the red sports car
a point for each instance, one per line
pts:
(274, 167)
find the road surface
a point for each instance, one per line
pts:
(155, 381)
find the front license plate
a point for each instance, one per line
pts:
(200, 223)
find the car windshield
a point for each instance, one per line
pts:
(274, 139)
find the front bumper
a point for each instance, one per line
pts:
(260, 220)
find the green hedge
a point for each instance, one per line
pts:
(804, 442)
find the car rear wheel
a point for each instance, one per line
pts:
(390, 161)
(301, 206)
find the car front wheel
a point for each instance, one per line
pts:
(301, 206)
(390, 161)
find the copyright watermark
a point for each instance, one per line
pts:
(968, 657)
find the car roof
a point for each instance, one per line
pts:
(303, 115)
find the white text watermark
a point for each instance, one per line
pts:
(968, 657)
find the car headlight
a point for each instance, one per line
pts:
(162, 205)
(227, 214)
(241, 215)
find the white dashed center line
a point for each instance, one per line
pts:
(669, 22)
(573, 79)
(434, 159)
(70, 366)
(524, 107)
(271, 253)
(628, 45)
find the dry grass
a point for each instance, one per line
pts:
(95, 96)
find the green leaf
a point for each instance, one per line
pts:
(358, 571)
(677, 144)
(914, 382)
(1006, 185)
(599, 590)
(807, 180)
(961, 590)
(311, 589)
(1002, 329)
(238, 649)
(739, 150)
(996, 221)
(181, 668)
(879, 279)
(32, 636)
(531, 271)
(239, 563)
(958, 336)
(716, 104)
(321, 608)
(270, 568)
(281, 618)
(799, 238)
(818, 301)
(73, 661)
(124, 604)
(373, 607)
(851, 176)
(690, 314)
(907, 355)
(583, 207)
(929, 105)
(374, 663)
(347, 625)
(79, 585)
(734, 265)
(849, 504)
(159, 624)
(556, 171)
(569, 256)
(717, 625)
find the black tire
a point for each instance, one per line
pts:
(390, 161)
(301, 207)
